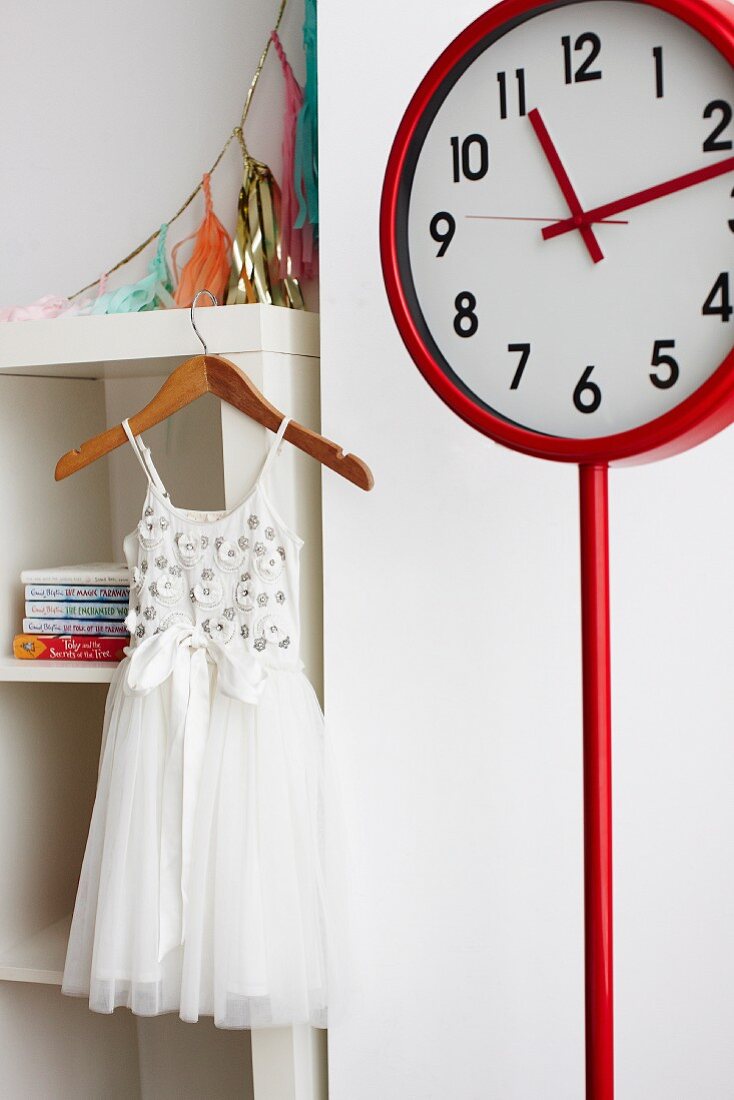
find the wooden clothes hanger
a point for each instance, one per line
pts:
(214, 374)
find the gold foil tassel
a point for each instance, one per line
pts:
(255, 275)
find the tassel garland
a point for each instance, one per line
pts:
(153, 289)
(307, 137)
(255, 275)
(208, 265)
(296, 245)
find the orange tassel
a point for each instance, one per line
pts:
(208, 265)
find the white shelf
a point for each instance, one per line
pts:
(39, 959)
(149, 343)
(56, 672)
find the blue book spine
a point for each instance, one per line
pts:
(49, 609)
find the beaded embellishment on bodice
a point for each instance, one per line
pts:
(230, 577)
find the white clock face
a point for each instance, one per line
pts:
(621, 97)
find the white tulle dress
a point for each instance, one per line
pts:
(202, 888)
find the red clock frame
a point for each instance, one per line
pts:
(700, 416)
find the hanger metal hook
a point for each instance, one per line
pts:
(193, 307)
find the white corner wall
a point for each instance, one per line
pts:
(453, 691)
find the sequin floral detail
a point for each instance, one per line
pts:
(188, 548)
(207, 593)
(269, 629)
(259, 644)
(280, 598)
(245, 631)
(269, 566)
(167, 589)
(162, 561)
(137, 578)
(270, 533)
(229, 613)
(219, 628)
(253, 522)
(243, 594)
(140, 631)
(228, 554)
(243, 542)
(150, 533)
(149, 612)
(259, 549)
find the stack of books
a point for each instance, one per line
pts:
(74, 613)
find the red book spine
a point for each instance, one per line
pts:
(64, 648)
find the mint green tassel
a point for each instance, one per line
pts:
(152, 291)
(307, 131)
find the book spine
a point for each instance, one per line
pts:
(28, 647)
(73, 626)
(81, 576)
(48, 609)
(89, 593)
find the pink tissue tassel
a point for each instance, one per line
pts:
(297, 256)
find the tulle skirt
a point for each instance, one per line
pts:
(256, 921)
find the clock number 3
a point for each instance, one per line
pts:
(587, 395)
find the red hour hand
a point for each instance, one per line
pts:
(554, 160)
(639, 198)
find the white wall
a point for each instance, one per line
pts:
(453, 688)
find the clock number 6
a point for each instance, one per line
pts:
(593, 400)
(659, 360)
(466, 321)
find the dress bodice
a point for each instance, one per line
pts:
(231, 575)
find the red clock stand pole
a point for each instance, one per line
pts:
(595, 640)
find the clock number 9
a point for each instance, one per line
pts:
(466, 321)
(444, 237)
(592, 402)
(471, 166)
(658, 360)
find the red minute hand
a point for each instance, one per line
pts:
(639, 198)
(566, 187)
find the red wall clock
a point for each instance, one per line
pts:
(556, 229)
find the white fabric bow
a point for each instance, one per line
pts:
(183, 651)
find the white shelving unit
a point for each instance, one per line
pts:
(38, 959)
(55, 672)
(61, 382)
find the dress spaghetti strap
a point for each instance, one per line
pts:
(275, 448)
(142, 453)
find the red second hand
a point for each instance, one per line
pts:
(566, 187)
(639, 198)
